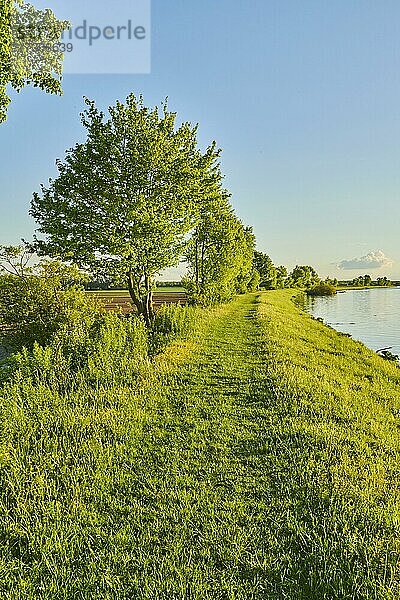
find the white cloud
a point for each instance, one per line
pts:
(372, 260)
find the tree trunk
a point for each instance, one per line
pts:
(197, 261)
(144, 304)
(134, 291)
(149, 311)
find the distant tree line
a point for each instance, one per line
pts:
(275, 277)
(163, 284)
(367, 281)
(304, 276)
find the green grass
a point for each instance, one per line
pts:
(337, 446)
(257, 458)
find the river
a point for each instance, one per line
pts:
(371, 316)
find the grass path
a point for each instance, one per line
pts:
(210, 540)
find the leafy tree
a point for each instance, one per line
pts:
(29, 54)
(281, 276)
(367, 280)
(245, 248)
(362, 281)
(332, 282)
(384, 282)
(220, 251)
(268, 272)
(125, 199)
(303, 276)
(357, 282)
(254, 282)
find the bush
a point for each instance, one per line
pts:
(119, 346)
(322, 289)
(214, 293)
(33, 308)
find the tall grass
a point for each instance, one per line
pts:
(72, 415)
(172, 321)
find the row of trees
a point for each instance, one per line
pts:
(366, 281)
(139, 196)
(275, 277)
(305, 276)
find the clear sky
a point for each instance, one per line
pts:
(303, 97)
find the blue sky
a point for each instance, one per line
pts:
(303, 97)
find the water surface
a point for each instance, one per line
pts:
(370, 316)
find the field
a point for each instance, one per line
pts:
(120, 299)
(256, 458)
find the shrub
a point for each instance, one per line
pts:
(213, 293)
(119, 346)
(33, 308)
(109, 352)
(322, 289)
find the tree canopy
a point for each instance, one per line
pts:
(29, 50)
(220, 251)
(266, 269)
(303, 276)
(126, 199)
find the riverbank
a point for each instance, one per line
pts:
(368, 315)
(339, 449)
(344, 288)
(257, 458)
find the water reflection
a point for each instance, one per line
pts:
(371, 316)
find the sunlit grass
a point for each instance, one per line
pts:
(256, 458)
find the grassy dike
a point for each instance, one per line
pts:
(334, 451)
(257, 458)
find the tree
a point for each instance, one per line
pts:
(303, 276)
(245, 248)
(384, 282)
(220, 252)
(30, 53)
(268, 272)
(332, 282)
(358, 281)
(281, 276)
(14, 260)
(125, 199)
(367, 280)
(362, 281)
(254, 282)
